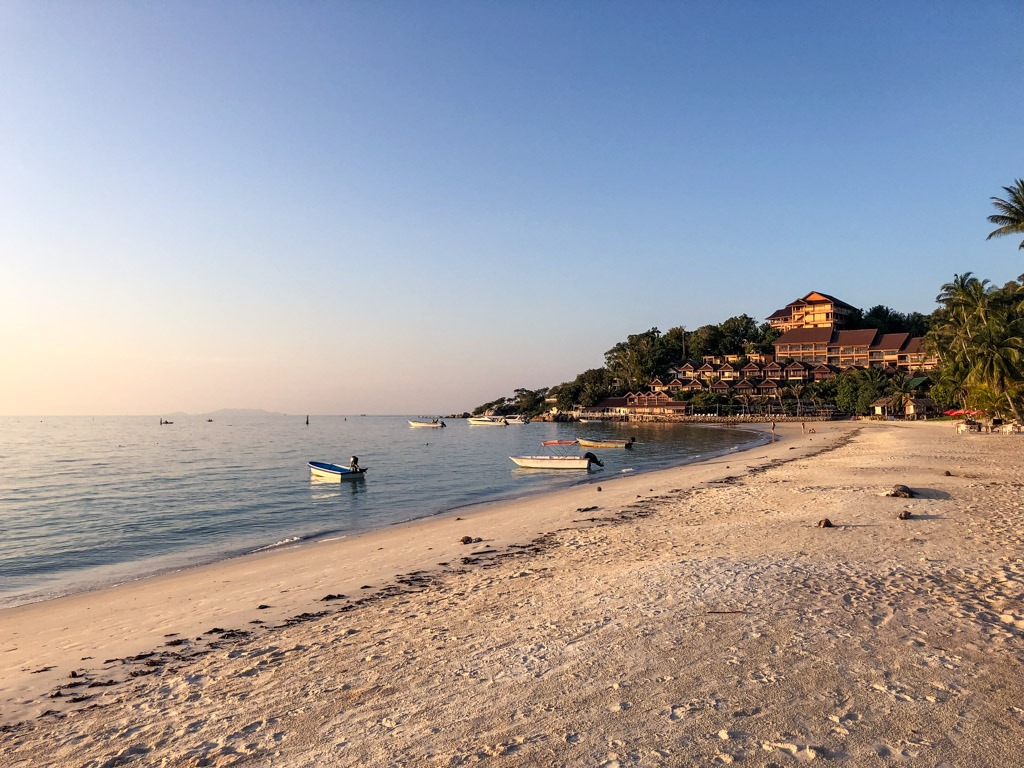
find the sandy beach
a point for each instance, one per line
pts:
(691, 616)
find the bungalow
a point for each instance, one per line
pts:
(745, 387)
(752, 370)
(824, 371)
(721, 387)
(708, 372)
(798, 371)
(913, 408)
(685, 371)
(729, 372)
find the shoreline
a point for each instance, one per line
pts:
(187, 601)
(118, 574)
(695, 615)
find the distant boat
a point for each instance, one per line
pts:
(322, 469)
(486, 421)
(558, 461)
(587, 442)
(436, 423)
(517, 418)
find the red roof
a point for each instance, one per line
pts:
(891, 341)
(805, 336)
(860, 338)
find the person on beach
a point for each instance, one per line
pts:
(773, 430)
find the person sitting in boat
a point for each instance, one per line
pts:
(353, 464)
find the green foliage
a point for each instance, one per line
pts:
(979, 334)
(705, 401)
(637, 360)
(585, 390)
(1010, 217)
(887, 320)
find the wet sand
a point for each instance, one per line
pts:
(692, 616)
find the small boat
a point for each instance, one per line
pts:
(487, 421)
(436, 423)
(562, 461)
(517, 418)
(324, 470)
(586, 442)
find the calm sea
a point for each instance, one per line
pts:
(87, 502)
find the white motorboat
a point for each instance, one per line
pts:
(558, 461)
(324, 470)
(516, 418)
(487, 421)
(434, 424)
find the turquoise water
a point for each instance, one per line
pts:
(87, 502)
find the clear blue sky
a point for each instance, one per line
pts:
(416, 207)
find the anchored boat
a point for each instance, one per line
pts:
(486, 421)
(558, 461)
(587, 442)
(326, 471)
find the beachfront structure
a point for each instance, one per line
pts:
(911, 408)
(865, 348)
(815, 310)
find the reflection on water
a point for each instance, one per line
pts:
(326, 488)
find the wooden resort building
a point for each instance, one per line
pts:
(814, 346)
(815, 310)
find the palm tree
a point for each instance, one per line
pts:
(966, 303)
(796, 389)
(1010, 219)
(900, 393)
(998, 359)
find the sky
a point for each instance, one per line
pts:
(415, 208)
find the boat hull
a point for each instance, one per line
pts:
(426, 424)
(552, 462)
(584, 443)
(486, 421)
(326, 471)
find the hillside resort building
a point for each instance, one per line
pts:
(814, 346)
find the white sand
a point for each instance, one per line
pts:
(702, 618)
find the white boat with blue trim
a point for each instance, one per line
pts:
(323, 470)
